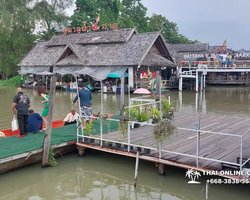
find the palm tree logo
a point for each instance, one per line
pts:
(192, 174)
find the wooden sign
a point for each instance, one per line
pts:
(93, 27)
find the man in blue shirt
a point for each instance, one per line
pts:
(85, 103)
(35, 122)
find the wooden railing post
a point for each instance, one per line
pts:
(47, 137)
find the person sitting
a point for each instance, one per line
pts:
(71, 118)
(35, 122)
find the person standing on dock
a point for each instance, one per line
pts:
(21, 103)
(85, 103)
(45, 101)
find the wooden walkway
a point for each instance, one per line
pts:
(213, 146)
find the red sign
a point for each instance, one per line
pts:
(144, 74)
(94, 27)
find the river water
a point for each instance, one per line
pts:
(101, 176)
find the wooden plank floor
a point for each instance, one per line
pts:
(221, 147)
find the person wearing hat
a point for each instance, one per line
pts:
(71, 118)
(85, 103)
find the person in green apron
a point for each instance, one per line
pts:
(45, 101)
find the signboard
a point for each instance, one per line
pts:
(144, 75)
(193, 56)
(93, 27)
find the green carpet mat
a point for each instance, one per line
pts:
(10, 146)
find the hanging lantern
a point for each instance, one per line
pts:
(203, 63)
(182, 63)
(197, 62)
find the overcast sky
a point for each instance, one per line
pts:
(210, 21)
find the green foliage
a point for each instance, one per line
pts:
(163, 130)
(123, 126)
(142, 117)
(155, 113)
(136, 11)
(51, 15)
(16, 80)
(52, 160)
(166, 107)
(134, 111)
(88, 10)
(104, 118)
(89, 127)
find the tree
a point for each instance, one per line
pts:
(16, 38)
(136, 12)
(88, 10)
(50, 15)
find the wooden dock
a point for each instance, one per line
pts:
(213, 145)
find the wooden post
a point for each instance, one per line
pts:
(158, 86)
(136, 168)
(47, 137)
(207, 190)
(122, 94)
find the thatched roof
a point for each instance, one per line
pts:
(196, 47)
(152, 60)
(99, 37)
(127, 48)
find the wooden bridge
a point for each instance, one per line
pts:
(220, 140)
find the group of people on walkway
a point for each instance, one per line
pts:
(29, 121)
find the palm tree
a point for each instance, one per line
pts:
(190, 174)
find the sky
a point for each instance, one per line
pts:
(210, 21)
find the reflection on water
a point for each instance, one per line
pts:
(99, 176)
(215, 100)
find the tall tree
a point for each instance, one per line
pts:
(136, 12)
(16, 38)
(50, 15)
(88, 10)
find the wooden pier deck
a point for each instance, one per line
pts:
(213, 146)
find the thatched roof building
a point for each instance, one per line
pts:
(85, 53)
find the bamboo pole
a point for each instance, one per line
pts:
(47, 137)
(122, 94)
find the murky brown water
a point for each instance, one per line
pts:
(103, 176)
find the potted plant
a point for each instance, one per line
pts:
(146, 151)
(134, 111)
(139, 148)
(168, 108)
(123, 126)
(104, 118)
(163, 130)
(88, 130)
(142, 117)
(118, 145)
(110, 144)
(155, 113)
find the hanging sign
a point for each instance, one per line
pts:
(144, 75)
(93, 27)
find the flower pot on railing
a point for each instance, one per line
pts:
(138, 149)
(125, 146)
(146, 151)
(136, 125)
(86, 140)
(155, 121)
(118, 145)
(109, 144)
(92, 140)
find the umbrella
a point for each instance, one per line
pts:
(116, 76)
(142, 91)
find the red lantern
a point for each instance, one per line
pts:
(182, 63)
(203, 63)
(197, 62)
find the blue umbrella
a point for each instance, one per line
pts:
(116, 76)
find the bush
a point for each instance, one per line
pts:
(15, 80)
